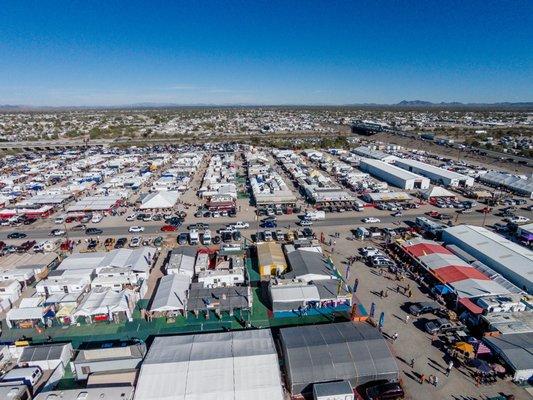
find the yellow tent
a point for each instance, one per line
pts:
(271, 259)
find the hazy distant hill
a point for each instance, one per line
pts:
(404, 104)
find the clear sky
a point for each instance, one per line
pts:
(109, 52)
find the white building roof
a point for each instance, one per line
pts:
(390, 169)
(432, 169)
(235, 365)
(138, 260)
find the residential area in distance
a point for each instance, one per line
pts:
(267, 252)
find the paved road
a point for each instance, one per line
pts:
(330, 221)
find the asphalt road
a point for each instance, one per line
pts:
(155, 230)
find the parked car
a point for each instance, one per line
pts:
(57, 232)
(519, 219)
(241, 225)
(305, 222)
(131, 217)
(182, 238)
(135, 242)
(269, 224)
(136, 229)
(121, 242)
(168, 228)
(158, 241)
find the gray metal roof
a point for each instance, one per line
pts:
(516, 349)
(355, 352)
(219, 298)
(304, 262)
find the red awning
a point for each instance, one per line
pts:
(455, 273)
(424, 249)
(470, 306)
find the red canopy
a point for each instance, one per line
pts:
(454, 273)
(424, 249)
(470, 306)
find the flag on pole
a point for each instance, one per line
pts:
(372, 310)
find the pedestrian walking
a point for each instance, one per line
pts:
(435, 380)
(431, 379)
(407, 318)
(397, 288)
(410, 294)
(412, 363)
(449, 368)
(381, 294)
(395, 336)
(422, 378)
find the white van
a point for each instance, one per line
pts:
(96, 218)
(206, 239)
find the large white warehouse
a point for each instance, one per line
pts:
(437, 175)
(394, 175)
(512, 261)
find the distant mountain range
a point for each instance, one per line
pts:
(406, 104)
(422, 104)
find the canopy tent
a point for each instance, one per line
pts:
(24, 314)
(437, 191)
(271, 258)
(355, 352)
(171, 293)
(424, 249)
(103, 301)
(235, 365)
(161, 199)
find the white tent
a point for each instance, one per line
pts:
(239, 365)
(437, 191)
(161, 199)
(103, 301)
(24, 314)
(171, 294)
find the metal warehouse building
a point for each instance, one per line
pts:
(509, 259)
(394, 175)
(438, 175)
(349, 351)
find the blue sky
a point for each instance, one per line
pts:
(264, 52)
